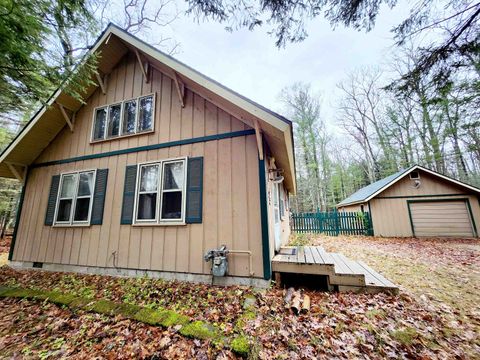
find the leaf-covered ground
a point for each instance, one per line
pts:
(433, 317)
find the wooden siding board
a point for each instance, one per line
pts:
(239, 205)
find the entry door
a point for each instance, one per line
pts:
(441, 218)
(276, 213)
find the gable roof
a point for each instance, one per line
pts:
(370, 191)
(113, 44)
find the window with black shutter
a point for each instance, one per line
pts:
(77, 198)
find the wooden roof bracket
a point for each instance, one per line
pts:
(180, 85)
(66, 117)
(258, 135)
(19, 176)
(143, 66)
(102, 82)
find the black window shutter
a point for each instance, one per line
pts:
(99, 197)
(52, 200)
(194, 190)
(128, 194)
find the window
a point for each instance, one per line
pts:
(99, 125)
(122, 119)
(129, 111)
(145, 113)
(74, 203)
(147, 194)
(172, 189)
(160, 196)
(114, 120)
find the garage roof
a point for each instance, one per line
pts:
(113, 44)
(368, 192)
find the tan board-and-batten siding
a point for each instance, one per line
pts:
(230, 187)
(389, 209)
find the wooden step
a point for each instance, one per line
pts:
(346, 274)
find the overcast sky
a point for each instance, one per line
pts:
(249, 63)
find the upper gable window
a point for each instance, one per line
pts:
(126, 118)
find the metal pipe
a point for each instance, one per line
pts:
(250, 262)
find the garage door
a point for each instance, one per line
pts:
(441, 218)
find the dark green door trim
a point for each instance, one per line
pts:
(148, 147)
(17, 218)
(371, 218)
(467, 201)
(267, 268)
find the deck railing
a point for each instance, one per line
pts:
(333, 223)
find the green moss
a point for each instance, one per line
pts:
(127, 310)
(20, 293)
(198, 330)
(376, 313)
(165, 318)
(79, 303)
(240, 345)
(59, 298)
(249, 315)
(171, 318)
(405, 336)
(149, 316)
(103, 307)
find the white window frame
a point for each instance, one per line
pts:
(122, 104)
(71, 221)
(158, 211)
(138, 192)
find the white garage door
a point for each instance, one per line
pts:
(441, 218)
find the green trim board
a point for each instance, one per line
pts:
(418, 196)
(267, 267)
(467, 201)
(371, 218)
(17, 218)
(148, 147)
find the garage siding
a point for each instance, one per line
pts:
(441, 218)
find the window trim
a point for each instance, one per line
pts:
(158, 217)
(120, 131)
(71, 222)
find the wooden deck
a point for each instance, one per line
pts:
(343, 274)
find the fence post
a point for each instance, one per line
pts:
(337, 225)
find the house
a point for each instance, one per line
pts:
(418, 202)
(158, 165)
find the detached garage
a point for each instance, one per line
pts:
(419, 202)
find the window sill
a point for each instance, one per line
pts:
(122, 137)
(70, 225)
(171, 223)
